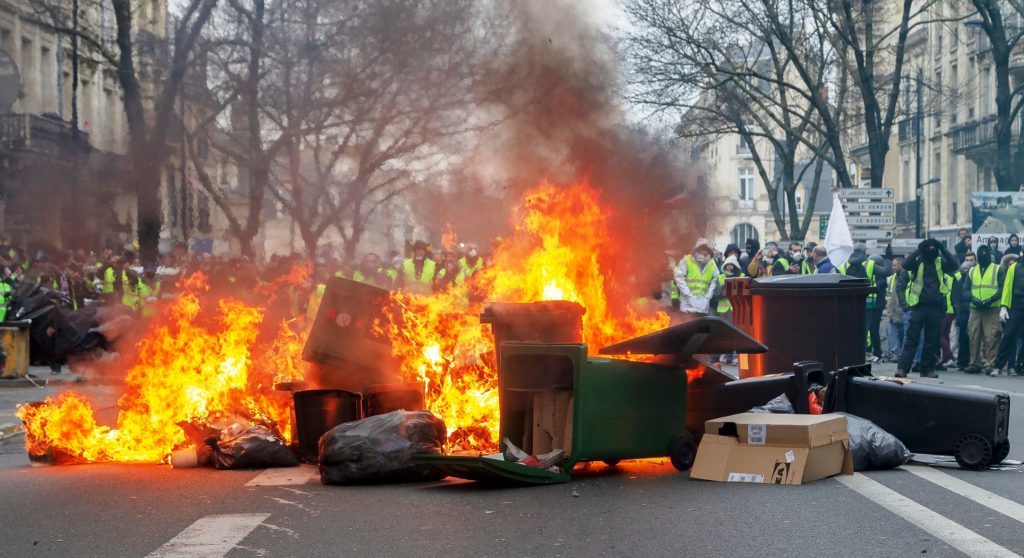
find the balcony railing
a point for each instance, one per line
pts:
(978, 134)
(31, 131)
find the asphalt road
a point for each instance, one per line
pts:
(641, 508)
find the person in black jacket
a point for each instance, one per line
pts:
(1014, 247)
(963, 246)
(923, 291)
(962, 313)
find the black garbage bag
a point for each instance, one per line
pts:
(255, 447)
(379, 449)
(872, 447)
(780, 405)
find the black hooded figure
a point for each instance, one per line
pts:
(751, 249)
(923, 290)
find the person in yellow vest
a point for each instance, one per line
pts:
(723, 308)
(874, 270)
(418, 272)
(923, 291)
(448, 271)
(371, 272)
(315, 298)
(894, 312)
(768, 262)
(696, 277)
(983, 326)
(469, 264)
(1011, 313)
(5, 299)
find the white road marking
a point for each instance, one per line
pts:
(285, 476)
(211, 537)
(1005, 506)
(940, 527)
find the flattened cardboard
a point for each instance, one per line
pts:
(786, 449)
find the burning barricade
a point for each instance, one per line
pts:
(207, 358)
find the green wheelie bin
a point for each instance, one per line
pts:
(553, 396)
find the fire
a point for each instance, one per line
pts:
(562, 248)
(209, 359)
(201, 361)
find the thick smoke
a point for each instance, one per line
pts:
(556, 84)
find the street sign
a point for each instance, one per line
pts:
(823, 225)
(906, 242)
(871, 220)
(866, 193)
(870, 234)
(871, 207)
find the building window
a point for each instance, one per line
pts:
(743, 232)
(971, 91)
(743, 146)
(905, 181)
(936, 189)
(955, 94)
(203, 213)
(953, 180)
(746, 185)
(800, 191)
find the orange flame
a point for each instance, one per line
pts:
(200, 361)
(562, 249)
(208, 358)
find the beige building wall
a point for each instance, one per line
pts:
(958, 100)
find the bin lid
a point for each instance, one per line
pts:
(808, 282)
(719, 336)
(532, 312)
(493, 471)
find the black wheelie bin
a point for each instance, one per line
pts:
(971, 424)
(801, 317)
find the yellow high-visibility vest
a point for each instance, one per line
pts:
(984, 283)
(916, 284)
(698, 281)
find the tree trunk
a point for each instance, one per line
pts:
(1006, 179)
(147, 192)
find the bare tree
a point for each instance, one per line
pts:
(1004, 37)
(723, 68)
(150, 84)
(234, 54)
(344, 105)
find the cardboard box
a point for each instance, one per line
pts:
(773, 449)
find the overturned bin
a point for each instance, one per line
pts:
(801, 317)
(553, 396)
(969, 423)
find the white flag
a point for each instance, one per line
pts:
(838, 240)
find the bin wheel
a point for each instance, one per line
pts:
(1001, 451)
(973, 452)
(612, 462)
(682, 451)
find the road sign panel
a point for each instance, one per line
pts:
(866, 193)
(871, 207)
(871, 220)
(906, 242)
(823, 225)
(870, 234)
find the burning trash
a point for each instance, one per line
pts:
(209, 355)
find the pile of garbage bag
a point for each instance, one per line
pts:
(379, 449)
(255, 447)
(872, 447)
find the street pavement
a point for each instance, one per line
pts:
(639, 508)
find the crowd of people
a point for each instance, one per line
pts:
(942, 309)
(962, 308)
